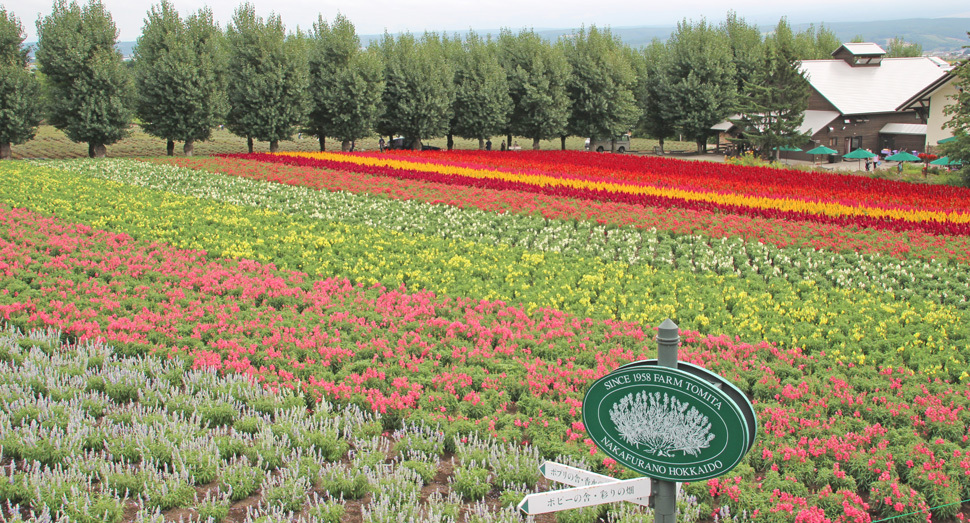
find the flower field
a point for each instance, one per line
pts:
(451, 296)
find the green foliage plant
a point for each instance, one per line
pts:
(472, 481)
(240, 479)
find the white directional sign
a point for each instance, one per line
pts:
(575, 477)
(556, 500)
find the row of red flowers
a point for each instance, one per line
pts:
(670, 172)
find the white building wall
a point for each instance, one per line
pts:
(943, 97)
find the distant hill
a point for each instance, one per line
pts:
(936, 35)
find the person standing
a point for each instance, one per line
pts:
(380, 144)
(488, 144)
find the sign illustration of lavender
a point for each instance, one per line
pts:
(661, 424)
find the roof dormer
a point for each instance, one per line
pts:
(860, 54)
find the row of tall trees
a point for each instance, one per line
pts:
(188, 76)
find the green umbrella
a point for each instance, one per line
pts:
(859, 154)
(786, 148)
(946, 140)
(903, 156)
(943, 160)
(821, 149)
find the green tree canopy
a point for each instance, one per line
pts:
(419, 88)
(899, 48)
(601, 85)
(19, 89)
(701, 72)
(345, 83)
(537, 74)
(774, 98)
(180, 93)
(747, 47)
(267, 78)
(656, 96)
(88, 87)
(816, 43)
(482, 103)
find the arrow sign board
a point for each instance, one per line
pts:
(575, 477)
(556, 500)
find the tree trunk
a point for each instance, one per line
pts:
(416, 144)
(189, 147)
(249, 142)
(562, 140)
(323, 143)
(100, 150)
(5, 151)
(535, 144)
(701, 146)
(508, 143)
(481, 144)
(170, 148)
(451, 141)
(345, 145)
(90, 150)
(661, 145)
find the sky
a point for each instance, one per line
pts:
(417, 16)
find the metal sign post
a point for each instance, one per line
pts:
(665, 496)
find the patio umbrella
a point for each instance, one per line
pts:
(821, 149)
(945, 160)
(946, 140)
(786, 148)
(859, 154)
(902, 156)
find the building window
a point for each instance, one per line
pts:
(834, 142)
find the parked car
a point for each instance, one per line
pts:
(603, 144)
(405, 143)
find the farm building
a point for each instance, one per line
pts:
(859, 100)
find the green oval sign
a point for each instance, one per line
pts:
(665, 423)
